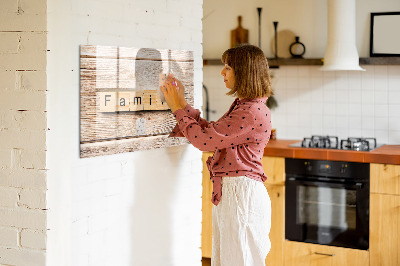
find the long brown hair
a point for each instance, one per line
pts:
(250, 66)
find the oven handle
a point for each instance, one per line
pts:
(357, 185)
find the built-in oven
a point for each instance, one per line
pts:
(327, 202)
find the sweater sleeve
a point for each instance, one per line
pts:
(229, 131)
(193, 113)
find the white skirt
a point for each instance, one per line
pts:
(241, 223)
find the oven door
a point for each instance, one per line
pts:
(327, 213)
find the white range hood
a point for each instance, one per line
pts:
(341, 51)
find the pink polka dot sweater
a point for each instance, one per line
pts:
(238, 139)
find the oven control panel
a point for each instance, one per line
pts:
(337, 169)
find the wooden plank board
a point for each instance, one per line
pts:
(128, 72)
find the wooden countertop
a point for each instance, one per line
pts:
(389, 154)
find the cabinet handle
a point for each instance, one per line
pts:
(324, 254)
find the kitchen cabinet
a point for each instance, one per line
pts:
(385, 178)
(385, 214)
(274, 168)
(206, 225)
(305, 254)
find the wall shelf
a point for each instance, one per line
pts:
(274, 63)
(380, 61)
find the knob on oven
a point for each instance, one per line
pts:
(308, 166)
(343, 168)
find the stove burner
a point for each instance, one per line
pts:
(332, 142)
(328, 142)
(358, 144)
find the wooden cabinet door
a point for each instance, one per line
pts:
(274, 168)
(277, 233)
(385, 178)
(304, 254)
(206, 226)
(384, 237)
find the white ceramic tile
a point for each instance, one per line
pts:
(316, 82)
(355, 109)
(329, 131)
(355, 122)
(367, 83)
(367, 96)
(354, 83)
(291, 71)
(303, 82)
(342, 96)
(394, 83)
(342, 133)
(329, 94)
(304, 109)
(355, 132)
(317, 95)
(305, 95)
(328, 74)
(342, 109)
(367, 110)
(367, 122)
(293, 120)
(281, 132)
(381, 84)
(316, 72)
(292, 82)
(394, 70)
(367, 133)
(317, 107)
(381, 71)
(304, 72)
(394, 137)
(381, 123)
(317, 120)
(278, 83)
(394, 110)
(329, 83)
(291, 133)
(394, 123)
(354, 75)
(329, 122)
(303, 131)
(369, 70)
(382, 110)
(381, 97)
(382, 136)
(394, 97)
(342, 122)
(355, 96)
(317, 131)
(329, 109)
(342, 80)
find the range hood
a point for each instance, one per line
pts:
(341, 51)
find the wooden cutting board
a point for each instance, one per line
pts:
(239, 35)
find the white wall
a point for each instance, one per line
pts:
(306, 19)
(311, 102)
(23, 133)
(140, 208)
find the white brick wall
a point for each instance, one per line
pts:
(141, 208)
(22, 132)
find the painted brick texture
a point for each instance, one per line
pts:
(23, 132)
(139, 208)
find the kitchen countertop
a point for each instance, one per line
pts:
(389, 154)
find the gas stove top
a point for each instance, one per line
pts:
(332, 142)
